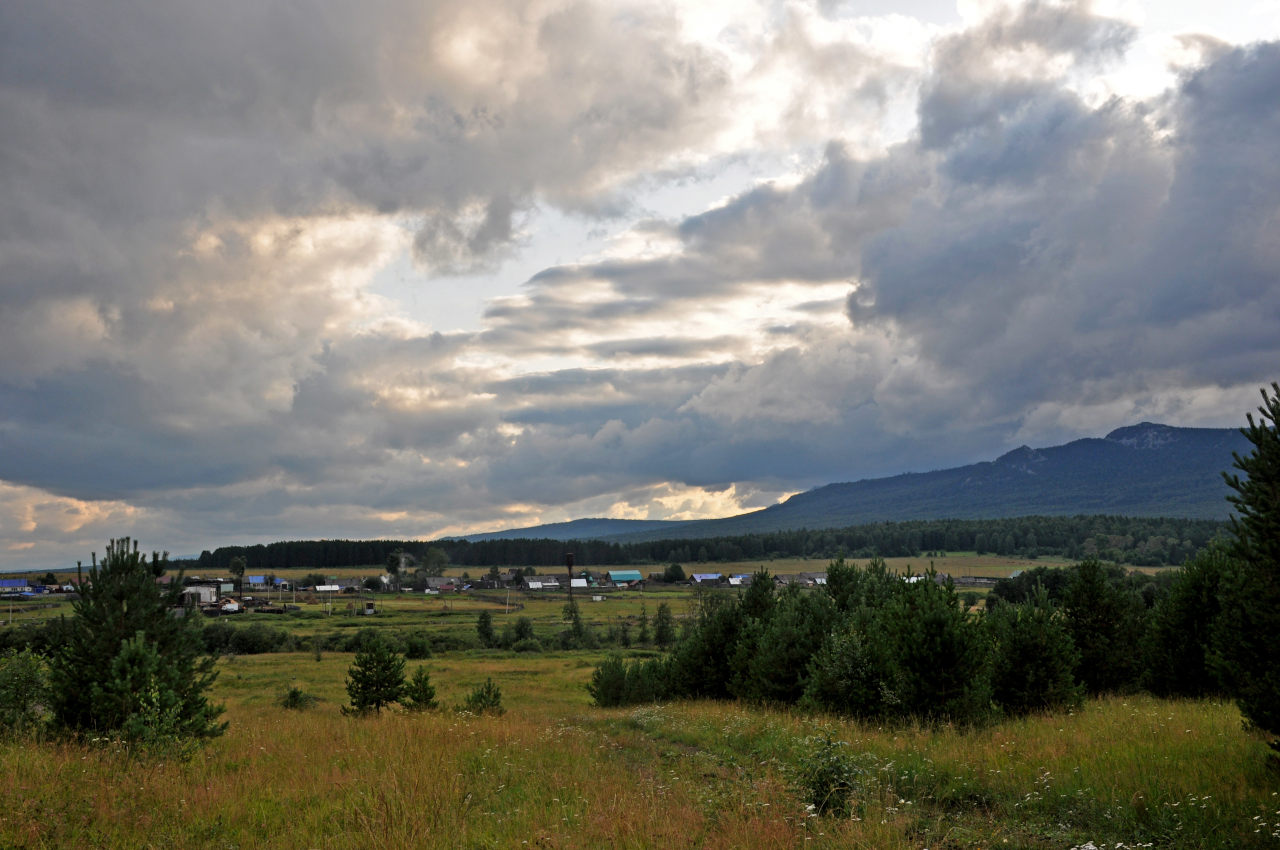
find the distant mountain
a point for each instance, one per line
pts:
(578, 529)
(1144, 470)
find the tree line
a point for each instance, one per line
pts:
(1142, 541)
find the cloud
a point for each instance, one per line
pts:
(198, 199)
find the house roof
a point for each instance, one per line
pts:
(625, 575)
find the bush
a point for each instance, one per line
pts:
(43, 639)
(23, 693)
(608, 685)
(256, 639)
(417, 646)
(615, 682)
(151, 712)
(296, 699)
(845, 677)
(485, 698)
(217, 637)
(367, 637)
(827, 776)
(527, 645)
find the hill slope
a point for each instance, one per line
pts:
(1140, 470)
(580, 529)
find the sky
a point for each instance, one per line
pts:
(404, 269)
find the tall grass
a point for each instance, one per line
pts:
(554, 772)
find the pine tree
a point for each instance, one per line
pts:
(1034, 656)
(375, 679)
(664, 626)
(129, 665)
(1178, 644)
(484, 629)
(419, 694)
(1251, 596)
(1107, 623)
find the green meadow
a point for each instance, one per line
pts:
(554, 771)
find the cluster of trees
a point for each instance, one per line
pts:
(876, 646)
(872, 644)
(869, 645)
(519, 635)
(1142, 541)
(376, 680)
(122, 667)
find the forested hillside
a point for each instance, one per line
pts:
(1134, 540)
(1143, 470)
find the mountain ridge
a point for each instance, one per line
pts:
(1147, 469)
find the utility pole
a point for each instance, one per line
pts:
(568, 563)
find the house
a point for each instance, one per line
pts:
(706, 579)
(626, 578)
(14, 586)
(440, 583)
(541, 582)
(199, 594)
(740, 580)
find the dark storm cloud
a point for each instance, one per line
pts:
(195, 195)
(1031, 256)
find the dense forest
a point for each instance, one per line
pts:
(1141, 541)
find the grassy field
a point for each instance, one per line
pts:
(556, 772)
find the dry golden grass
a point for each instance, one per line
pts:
(555, 772)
